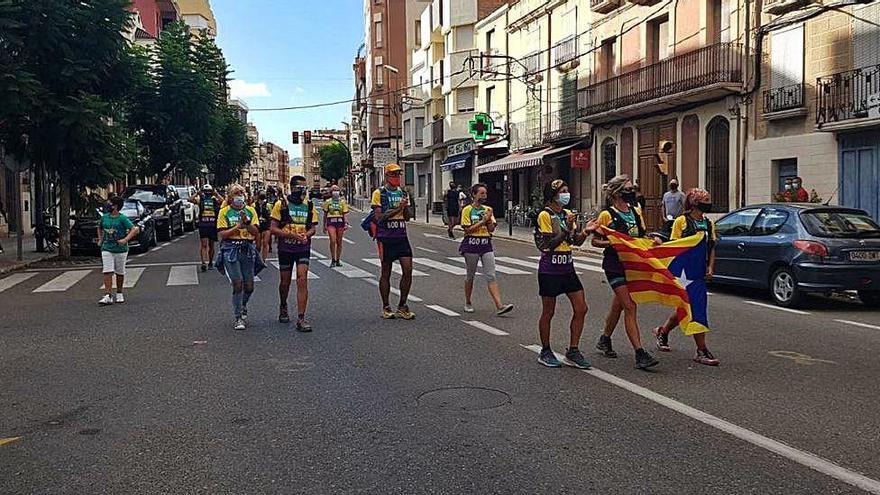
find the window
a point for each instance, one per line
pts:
(608, 58)
(407, 133)
(658, 39)
(739, 223)
(418, 130)
(865, 42)
(609, 159)
(465, 98)
(490, 35)
(380, 75)
(717, 21)
(489, 93)
(787, 57)
(718, 163)
(380, 109)
(785, 169)
(770, 221)
(423, 185)
(409, 171)
(418, 33)
(464, 38)
(840, 223)
(377, 29)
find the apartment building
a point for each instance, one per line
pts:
(198, 15)
(311, 153)
(816, 114)
(150, 18)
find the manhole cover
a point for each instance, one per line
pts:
(464, 398)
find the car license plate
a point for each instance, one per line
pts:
(864, 255)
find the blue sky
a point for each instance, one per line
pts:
(287, 53)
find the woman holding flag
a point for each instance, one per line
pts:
(624, 216)
(697, 203)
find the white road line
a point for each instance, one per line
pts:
(348, 241)
(257, 278)
(158, 248)
(14, 279)
(498, 268)
(313, 276)
(444, 237)
(138, 265)
(373, 281)
(778, 308)
(318, 255)
(164, 244)
(132, 275)
(486, 328)
(427, 250)
(324, 237)
(348, 270)
(858, 324)
(183, 275)
(802, 457)
(437, 265)
(63, 282)
(579, 266)
(395, 267)
(442, 310)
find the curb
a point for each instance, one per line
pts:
(21, 265)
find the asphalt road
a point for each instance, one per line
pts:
(122, 399)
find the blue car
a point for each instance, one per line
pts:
(794, 249)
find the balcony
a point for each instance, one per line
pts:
(531, 64)
(491, 65)
(524, 135)
(702, 75)
(848, 100)
(455, 127)
(456, 74)
(560, 125)
(646, 3)
(604, 6)
(779, 7)
(565, 55)
(784, 102)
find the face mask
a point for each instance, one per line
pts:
(564, 198)
(394, 181)
(479, 199)
(788, 187)
(107, 208)
(629, 197)
(673, 187)
(704, 207)
(796, 185)
(336, 195)
(238, 201)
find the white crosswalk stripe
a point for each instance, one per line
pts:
(498, 268)
(132, 275)
(63, 282)
(348, 270)
(395, 268)
(437, 265)
(14, 279)
(182, 275)
(277, 265)
(514, 261)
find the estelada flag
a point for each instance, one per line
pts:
(672, 274)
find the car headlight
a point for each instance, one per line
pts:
(158, 213)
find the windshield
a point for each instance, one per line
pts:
(183, 192)
(840, 223)
(145, 195)
(130, 208)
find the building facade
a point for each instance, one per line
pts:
(150, 18)
(198, 15)
(311, 153)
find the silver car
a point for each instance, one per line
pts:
(190, 210)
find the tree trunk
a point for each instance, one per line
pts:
(64, 218)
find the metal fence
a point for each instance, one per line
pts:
(847, 95)
(785, 98)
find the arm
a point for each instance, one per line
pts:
(100, 235)
(133, 231)
(710, 269)
(277, 231)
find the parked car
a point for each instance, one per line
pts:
(164, 204)
(84, 233)
(795, 249)
(190, 210)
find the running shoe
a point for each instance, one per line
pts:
(388, 313)
(662, 339)
(507, 308)
(703, 356)
(204, 267)
(211, 265)
(283, 317)
(239, 324)
(451, 235)
(604, 346)
(404, 313)
(120, 298)
(548, 359)
(303, 326)
(244, 313)
(645, 360)
(106, 300)
(576, 359)
(468, 308)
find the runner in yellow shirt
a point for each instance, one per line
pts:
(335, 223)
(238, 226)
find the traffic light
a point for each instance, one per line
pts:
(295, 137)
(307, 137)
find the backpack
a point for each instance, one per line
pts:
(285, 214)
(370, 220)
(691, 229)
(620, 225)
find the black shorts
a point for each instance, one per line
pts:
(208, 233)
(264, 225)
(556, 285)
(286, 261)
(614, 270)
(453, 213)
(391, 250)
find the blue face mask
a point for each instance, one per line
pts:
(564, 199)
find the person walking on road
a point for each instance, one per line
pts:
(293, 224)
(389, 204)
(264, 214)
(478, 222)
(452, 200)
(623, 216)
(697, 204)
(114, 232)
(239, 226)
(209, 204)
(673, 205)
(556, 232)
(335, 223)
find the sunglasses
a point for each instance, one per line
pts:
(628, 190)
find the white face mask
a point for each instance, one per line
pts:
(564, 198)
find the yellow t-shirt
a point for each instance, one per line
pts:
(300, 222)
(545, 226)
(229, 217)
(472, 216)
(335, 209)
(680, 224)
(632, 229)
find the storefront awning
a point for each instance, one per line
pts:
(456, 162)
(523, 160)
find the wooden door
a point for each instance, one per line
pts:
(651, 182)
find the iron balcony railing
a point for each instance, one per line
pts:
(846, 95)
(532, 63)
(789, 97)
(565, 51)
(561, 124)
(525, 134)
(713, 64)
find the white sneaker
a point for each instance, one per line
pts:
(106, 300)
(468, 308)
(119, 297)
(239, 324)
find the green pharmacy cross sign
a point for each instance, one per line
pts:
(481, 126)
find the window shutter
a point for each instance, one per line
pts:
(866, 42)
(787, 57)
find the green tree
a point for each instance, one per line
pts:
(236, 149)
(334, 161)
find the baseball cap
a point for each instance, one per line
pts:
(207, 188)
(392, 167)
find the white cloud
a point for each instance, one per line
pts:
(244, 89)
(300, 90)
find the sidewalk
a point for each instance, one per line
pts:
(9, 261)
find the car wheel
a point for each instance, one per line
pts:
(870, 298)
(154, 242)
(168, 232)
(784, 289)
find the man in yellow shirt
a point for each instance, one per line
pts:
(238, 226)
(390, 204)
